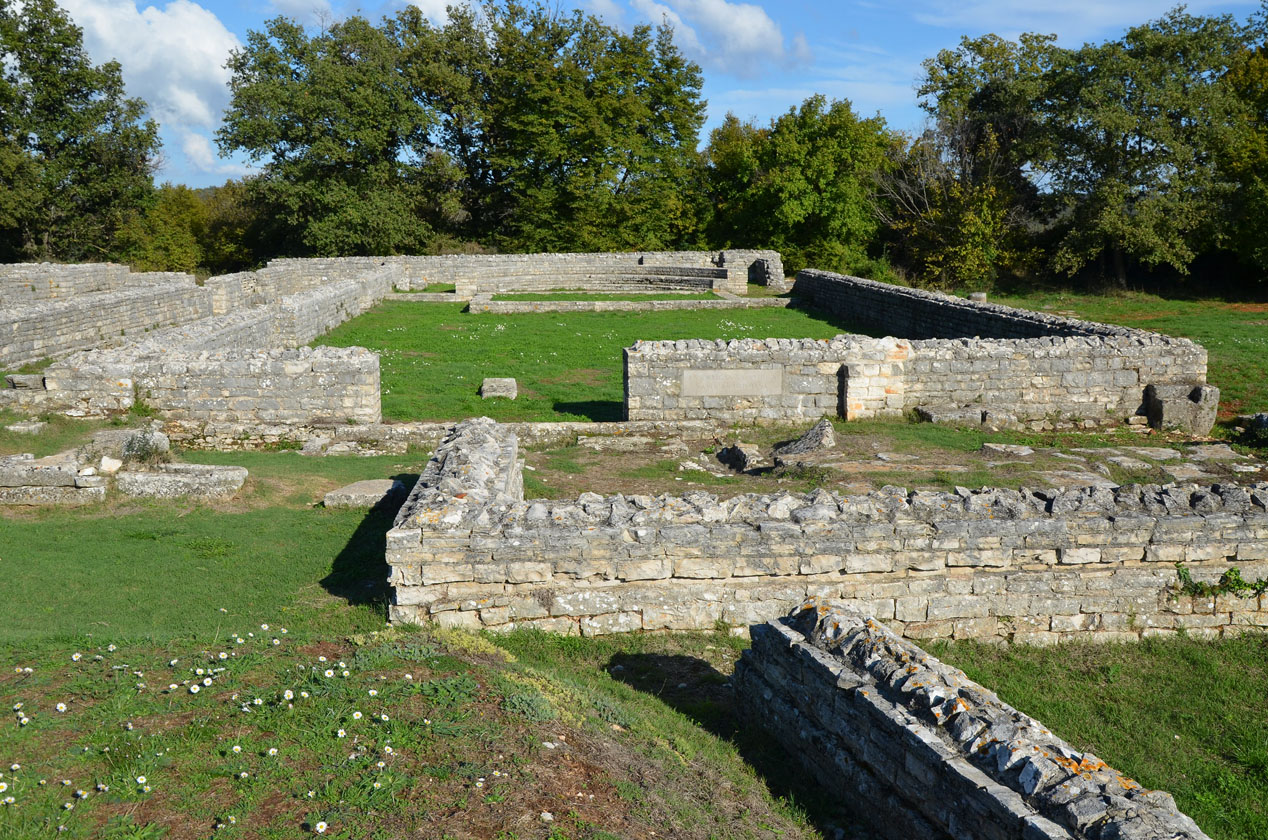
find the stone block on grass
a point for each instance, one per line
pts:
(366, 494)
(499, 387)
(170, 481)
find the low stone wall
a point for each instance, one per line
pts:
(26, 480)
(517, 307)
(472, 274)
(1025, 566)
(925, 751)
(326, 384)
(915, 313)
(399, 437)
(1077, 370)
(73, 319)
(215, 369)
(26, 283)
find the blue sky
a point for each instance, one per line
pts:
(759, 58)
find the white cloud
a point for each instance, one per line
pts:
(435, 11)
(305, 11)
(173, 57)
(1074, 20)
(735, 38)
(202, 158)
(609, 10)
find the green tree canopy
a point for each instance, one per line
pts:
(804, 186)
(76, 154)
(1136, 128)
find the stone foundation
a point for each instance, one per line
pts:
(1024, 566)
(923, 750)
(1018, 368)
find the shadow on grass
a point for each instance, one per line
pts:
(597, 411)
(359, 571)
(696, 689)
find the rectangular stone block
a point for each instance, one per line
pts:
(733, 382)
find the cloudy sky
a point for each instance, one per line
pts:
(759, 58)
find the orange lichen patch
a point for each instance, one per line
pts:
(1128, 784)
(958, 705)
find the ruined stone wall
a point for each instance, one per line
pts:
(1030, 566)
(764, 380)
(227, 368)
(915, 313)
(516, 307)
(925, 751)
(1032, 367)
(326, 384)
(93, 308)
(472, 274)
(24, 283)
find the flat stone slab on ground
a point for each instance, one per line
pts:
(499, 387)
(26, 427)
(365, 494)
(895, 457)
(1213, 452)
(1072, 478)
(632, 443)
(170, 481)
(1186, 472)
(1128, 463)
(1007, 449)
(1153, 453)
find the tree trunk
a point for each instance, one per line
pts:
(1120, 268)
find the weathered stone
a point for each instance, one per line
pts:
(25, 381)
(504, 387)
(167, 481)
(366, 494)
(1189, 408)
(742, 457)
(1010, 449)
(819, 438)
(26, 427)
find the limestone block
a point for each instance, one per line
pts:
(169, 481)
(366, 494)
(56, 495)
(1189, 408)
(26, 427)
(23, 471)
(499, 387)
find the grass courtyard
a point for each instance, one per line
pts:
(433, 356)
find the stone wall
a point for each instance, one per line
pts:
(326, 384)
(89, 306)
(925, 751)
(1026, 566)
(230, 368)
(516, 307)
(472, 274)
(1032, 368)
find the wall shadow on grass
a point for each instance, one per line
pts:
(596, 411)
(359, 571)
(696, 689)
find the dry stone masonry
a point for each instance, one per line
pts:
(1031, 566)
(957, 359)
(925, 751)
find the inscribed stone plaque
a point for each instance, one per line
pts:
(732, 383)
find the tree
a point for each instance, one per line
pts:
(805, 186)
(76, 155)
(569, 134)
(1136, 128)
(167, 235)
(335, 126)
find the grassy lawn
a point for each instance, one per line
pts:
(1235, 335)
(608, 296)
(1178, 714)
(567, 365)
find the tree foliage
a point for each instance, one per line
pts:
(803, 186)
(76, 154)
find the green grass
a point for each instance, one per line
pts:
(1178, 714)
(1235, 335)
(567, 365)
(60, 434)
(635, 296)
